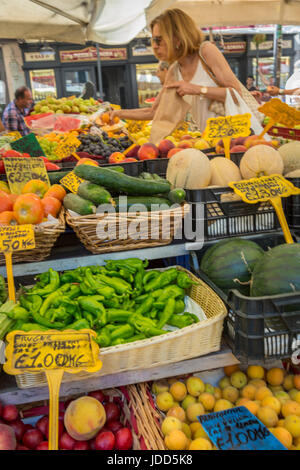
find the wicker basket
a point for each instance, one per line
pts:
(192, 341)
(45, 238)
(155, 229)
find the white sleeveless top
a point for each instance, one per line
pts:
(199, 104)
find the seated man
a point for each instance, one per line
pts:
(14, 113)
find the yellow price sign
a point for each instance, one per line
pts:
(15, 134)
(267, 188)
(279, 112)
(21, 170)
(52, 352)
(226, 128)
(67, 146)
(71, 182)
(14, 238)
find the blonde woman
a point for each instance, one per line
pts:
(198, 70)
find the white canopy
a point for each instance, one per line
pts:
(119, 21)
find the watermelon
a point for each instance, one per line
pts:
(230, 262)
(277, 272)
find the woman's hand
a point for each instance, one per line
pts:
(113, 114)
(273, 90)
(184, 88)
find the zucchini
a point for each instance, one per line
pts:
(120, 169)
(120, 182)
(177, 195)
(56, 176)
(95, 193)
(77, 204)
(124, 204)
(146, 176)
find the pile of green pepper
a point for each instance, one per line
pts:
(121, 301)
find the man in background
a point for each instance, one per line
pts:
(14, 113)
(250, 83)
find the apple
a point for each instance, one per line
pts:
(7, 438)
(124, 439)
(105, 441)
(112, 412)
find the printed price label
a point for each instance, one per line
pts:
(28, 144)
(15, 134)
(16, 238)
(280, 112)
(67, 146)
(264, 188)
(238, 429)
(227, 126)
(21, 170)
(71, 182)
(68, 350)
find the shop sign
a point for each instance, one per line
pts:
(39, 56)
(268, 45)
(90, 54)
(234, 47)
(141, 51)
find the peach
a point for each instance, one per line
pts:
(132, 153)
(84, 418)
(239, 141)
(238, 148)
(116, 157)
(185, 144)
(148, 152)
(186, 137)
(7, 438)
(164, 147)
(173, 151)
(250, 140)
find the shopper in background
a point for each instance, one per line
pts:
(274, 91)
(14, 113)
(162, 71)
(250, 83)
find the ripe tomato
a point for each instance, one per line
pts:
(5, 202)
(35, 186)
(57, 191)
(51, 206)
(8, 218)
(13, 197)
(28, 209)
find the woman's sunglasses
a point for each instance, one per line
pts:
(157, 40)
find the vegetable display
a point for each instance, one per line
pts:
(122, 301)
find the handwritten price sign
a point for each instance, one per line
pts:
(52, 352)
(67, 146)
(280, 112)
(21, 170)
(16, 238)
(71, 182)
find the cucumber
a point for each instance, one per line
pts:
(177, 195)
(158, 178)
(120, 169)
(119, 182)
(56, 176)
(78, 204)
(95, 193)
(145, 201)
(146, 176)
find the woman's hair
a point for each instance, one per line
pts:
(176, 24)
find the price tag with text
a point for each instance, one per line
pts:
(267, 188)
(71, 182)
(238, 429)
(226, 128)
(67, 146)
(15, 134)
(52, 352)
(28, 144)
(279, 112)
(21, 170)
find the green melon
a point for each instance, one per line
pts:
(230, 262)
(277, 272)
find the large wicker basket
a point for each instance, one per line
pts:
(155, 229)
(45, 238)
(192, 341)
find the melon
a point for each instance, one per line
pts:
(223, 171)
(261, 160)
(189, 169)
(229, 263)
(277, 271)
(290, 154)
(293, 174)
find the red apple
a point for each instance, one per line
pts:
(114, 426)
(66, 442)
(98, 394)
(19, 428)
(148, 152)
(81, 445)
(20, 447)
(124, 439)
(32, 438)
(112, 412)
(10, 413)
(43, 425)
(104, 441)
(44, 445)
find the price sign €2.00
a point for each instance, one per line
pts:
(52, 352)
(267, 188)
(226, 128)
(279, 112)
(67, 146)
(14, 238)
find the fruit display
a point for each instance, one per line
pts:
(102, 146)
(121, 301)
(91, 422)
(70, 105)
(243, 265)
(271, 395)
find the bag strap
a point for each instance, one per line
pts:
(211, 74)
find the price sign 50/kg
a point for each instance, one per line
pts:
(16, 238)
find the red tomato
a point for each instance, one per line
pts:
(51, 206)
(35, 186)
(5, 202)
(12, 153)
(8, 218)
(28, 209)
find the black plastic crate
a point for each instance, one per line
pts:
(156, 165)
(292, 207)
(258, 329)
(223, 218)
(234, 157)
(130, 168)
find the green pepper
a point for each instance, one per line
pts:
(41, 320)
(118, 315)
(75, 275)
(3, 292)
(32, 302)
(171, 291)
(111, 303)
(103, 338)
(136, 338)
(42, 279)
(94, 306)
(138, 283)
(49, 300)
(119, 285)
(132, 264)
(32, 327)
(152, 331)
(49, 288)
(124, 331)
(184, 281)
(81, 324)
(179, 306)
(117, 341)
(162, 280)
(166, 313)
(145, 306)
(153, 313)
(19, 313)
(89, 317)
(139, 322)
(150, 275)
(181, 321)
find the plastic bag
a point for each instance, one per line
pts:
(56, 123)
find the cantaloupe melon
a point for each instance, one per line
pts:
(261, 160)
(290, 154)
(189, 169)
(293, 174)
(223, 171)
